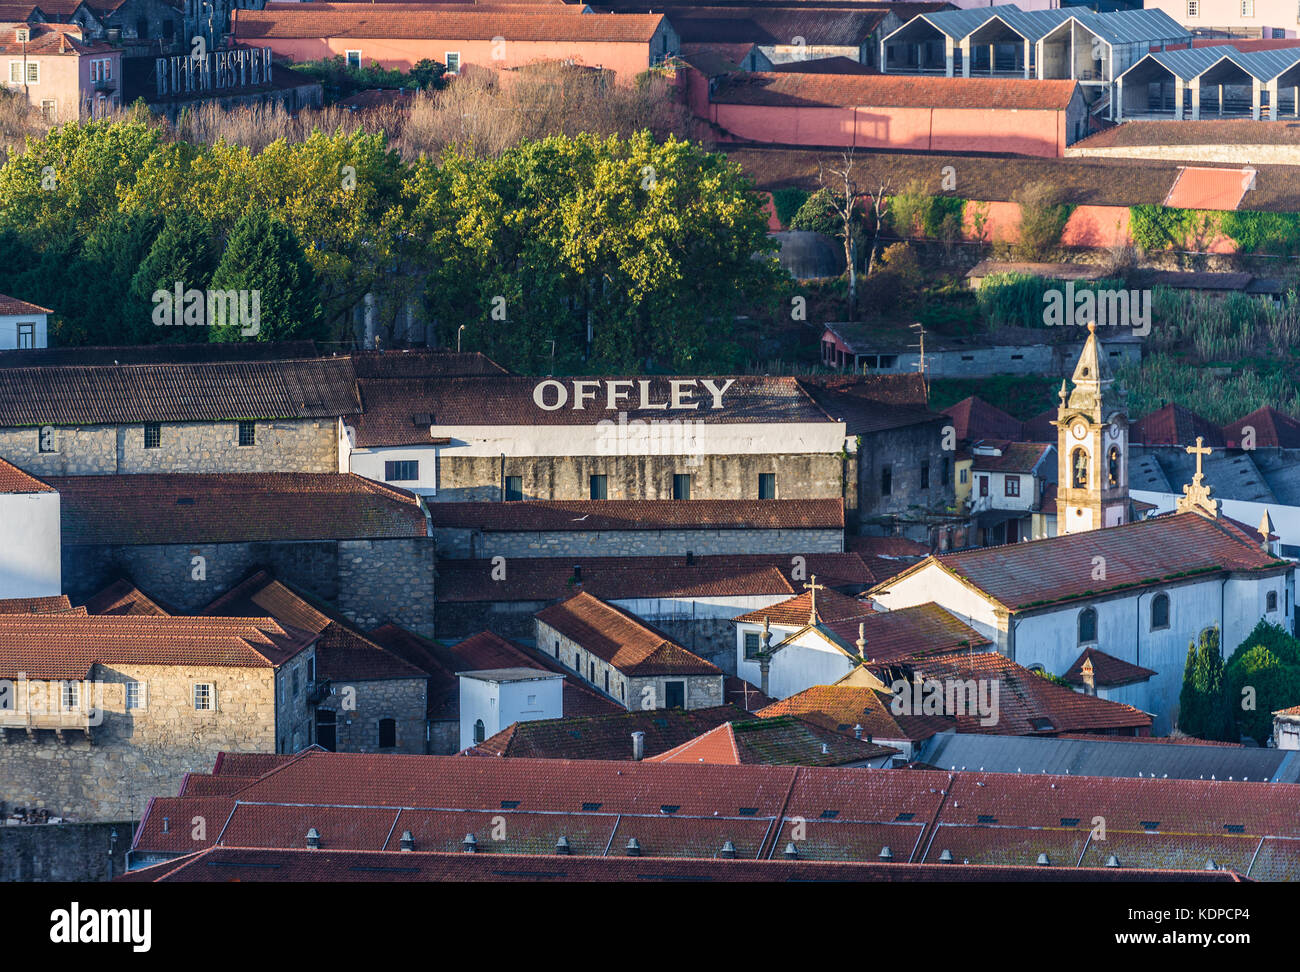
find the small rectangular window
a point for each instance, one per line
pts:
(964, 476)
(453, 62)
(1272, 601)
(247, 433)
(886, 481)
(26, 335)
(204, 696)
(1013, 486)
(71, 695)
(925, 475)
(514, 488)
(681, 486)
(387, 733)
(767, 485)
(354, 59)
(152, 435)
(1248, 8)
(135, 695)
(401, 471)
(50, 110)
(1193, 8)
(751, 644)
(984, 485)
(599, 487)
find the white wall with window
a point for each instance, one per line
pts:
(30, 555)
(501, 697)
(23, 330)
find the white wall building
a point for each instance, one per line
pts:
(493, 699)
(23, 325)
(30, 557)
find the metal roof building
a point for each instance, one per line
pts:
(1233, 83)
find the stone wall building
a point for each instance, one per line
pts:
(627, 660)
(637, 528)
(362, 548)
(237, 416)
(98, 711)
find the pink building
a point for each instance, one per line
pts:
(1233, 18)
(64, 75)
(491, 36)
(919, 114)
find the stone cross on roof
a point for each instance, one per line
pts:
(1196, 495)
(814, 587)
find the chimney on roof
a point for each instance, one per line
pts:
(577, 573)
(633, 847)
(791, 852)
(166, 825)
(728, 850)
(690, 558)
(857, 731)
(638, 745)
(1089, 677)
(313, 839)
(826, 750)
(408, 842)
(469, 844)
(862, 640)
(562, 846)
(886, 855)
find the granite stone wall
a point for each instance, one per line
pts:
(356, 728)
(64, 852)
(469, 542)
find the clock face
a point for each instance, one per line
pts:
(1114, 430)
(1079, 430)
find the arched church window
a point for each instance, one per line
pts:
(1087, 625)
(1080, 467)
(480, 731)
(1160, 611)
(1112, 466)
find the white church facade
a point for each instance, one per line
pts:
(1139, 591)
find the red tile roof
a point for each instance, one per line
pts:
(1273, 429)
(831, 606)
(123, 597)
(1017, 457)
(629, 645)
(738, 692)
(1175, 425)
(774, 741)
(67, 646)
(888, 91)
(53, 604)
(1108, 671)
(606, 515)
(913, 632)
(1147, 553)
(1027, 704)
(842, 708)
(182, 392)
(612, 578)
(47, 40)
(1040, 427)
(974, 419)
(13, 306)
(233, 508)
(1204, 187)
(422, 363)
(14, 480)
(342, 653)
(604, 736)
(390, 22)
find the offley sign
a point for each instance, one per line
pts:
(621, 393)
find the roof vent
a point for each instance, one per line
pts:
(1044, 860)
(1112, 861)
(166, 825)
(791, 852)
(857, 731)
(422, 418)
(633, 847)
(313, 839)
(826, 750)
(886, 854)
(638, 745)
(945, 857)
(1210, 865)
(562, 847)
(728, 850)
(408, 842)
(469, 844)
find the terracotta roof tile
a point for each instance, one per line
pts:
(1175, 425)
(607, 515)
(1108, 671)
(1017, 457)
(974, 419)
(831, 606)
(1146, 553)
(629, 645)
(388, 22)
(123, 597)
(887, 91)
(199, 392)
(841, 708)
(233, 508)
(774, 741)
(1273, 429)
(14, 480)
(53, 604)
(913, 632)
(605, 736)
(13, 306)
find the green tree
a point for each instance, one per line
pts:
(182, 254)
(264, 256)
(1203, 707)
(1262, 676)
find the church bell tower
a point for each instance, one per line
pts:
(1091, 446)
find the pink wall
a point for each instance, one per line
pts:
(625, 59)
(1026, 132)
(1089, 226)
(65, 80)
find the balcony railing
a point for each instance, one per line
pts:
(42, 719)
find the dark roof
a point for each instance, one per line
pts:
(891, 91)
(423, 363)
(233, 508)
(856, 405)
(1174, 425)
(626, 643)
(1273, 429)
(209, 392)
(614, 578)
(912, 632)
(100, 355)
(1016, 457)
(605, 515)
(974, 419)
(342, 652)
(1097, 756)
(824, 65)
(1053, 271)
(123, 597)
(775, 741)
(604, 736)
(1147, 553)
(1108, 671)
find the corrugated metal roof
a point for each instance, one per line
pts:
(1131, 26)
(1102, 757)
(1124, 26)
(1188, 64)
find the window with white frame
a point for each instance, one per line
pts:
(33, 69)
(1193, 8)
(27, 335)
(50, 110)
(453, 62)
(71, 696)
(136, 695)
(205, 697)
(354, 59)
(1248, 8)
(101, 69)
